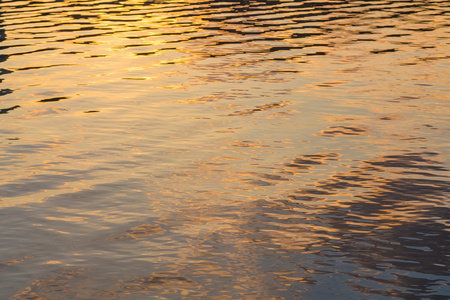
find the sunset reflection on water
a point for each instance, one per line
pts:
(224, 150)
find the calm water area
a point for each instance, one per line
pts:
(195, 149)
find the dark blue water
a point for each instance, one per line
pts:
(224, 150)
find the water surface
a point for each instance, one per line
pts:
(224, 150)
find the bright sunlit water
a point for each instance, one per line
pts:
(224, 150)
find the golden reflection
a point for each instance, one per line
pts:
(164, 142)
(65, 282)
(53, 262)
(9, 263)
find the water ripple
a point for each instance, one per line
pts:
(224, 149)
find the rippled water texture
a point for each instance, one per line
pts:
(224, 150)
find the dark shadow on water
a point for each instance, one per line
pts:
(3, 58)
(395, 224)
(6, 110)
